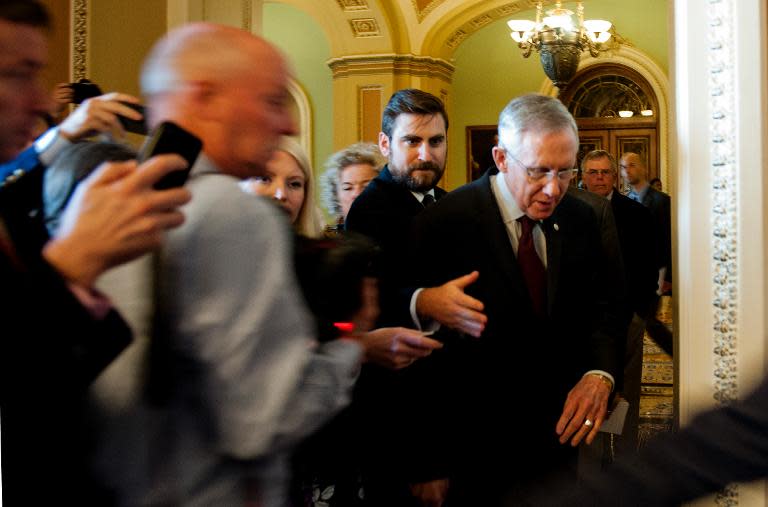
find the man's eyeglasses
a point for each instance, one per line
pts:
(539, 173)
(601, 172)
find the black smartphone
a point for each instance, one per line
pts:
(170, 138)
(135, 126)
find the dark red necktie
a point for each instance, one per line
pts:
(533, 269)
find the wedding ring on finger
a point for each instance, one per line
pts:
(587, 423)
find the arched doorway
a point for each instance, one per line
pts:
(617, 111)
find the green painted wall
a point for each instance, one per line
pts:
(306, 46)
(490, 69)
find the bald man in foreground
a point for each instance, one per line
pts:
(234, 366)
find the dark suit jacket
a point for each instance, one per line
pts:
(497, 399)
(660, 207)
(51, 349)
(384, 212)
(638, 236)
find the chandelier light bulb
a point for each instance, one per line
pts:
(522, 29)
(597, 30)
(561, 21)
(646, 112)
(626, 114)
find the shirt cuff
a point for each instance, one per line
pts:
(97, 303)
(604, 374)
(49, 145)
(429, 326)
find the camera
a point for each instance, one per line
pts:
(84, 89)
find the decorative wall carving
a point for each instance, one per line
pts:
(353, 5)
(247, 15)
(724, 214)
(365, 27)
(482, 20)
(424, 7)
(456, 39)
(79, 39)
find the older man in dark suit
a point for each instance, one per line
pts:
(637, 236)
(537, 381)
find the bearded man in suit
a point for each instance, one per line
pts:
(413, 137)
(538, 380)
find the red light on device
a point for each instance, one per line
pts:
(345, 327)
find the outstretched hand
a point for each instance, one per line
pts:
(450, 306)
(396, 347)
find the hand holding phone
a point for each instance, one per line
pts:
(135, 126)
(170, 138)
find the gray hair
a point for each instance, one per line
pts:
(533, 113)
(358, 153)
(598, 154)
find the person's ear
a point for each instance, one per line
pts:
(500, 158)
(384, 146)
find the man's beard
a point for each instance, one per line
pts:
(425, 182)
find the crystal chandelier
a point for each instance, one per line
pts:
(558, 41)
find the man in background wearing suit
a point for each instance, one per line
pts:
(537, 381)
(634, 170)
(637, 238)
(414, 140)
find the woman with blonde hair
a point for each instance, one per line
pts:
(289, 181)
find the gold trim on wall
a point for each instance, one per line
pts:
(79, 39)
(247, 15)
(422, 66)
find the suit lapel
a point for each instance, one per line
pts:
(554, 241)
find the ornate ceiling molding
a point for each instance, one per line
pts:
(353, 5)
(424, 7)
(412, 65)
(365, 27)
(485, 18)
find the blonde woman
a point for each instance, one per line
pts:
(289, 181)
